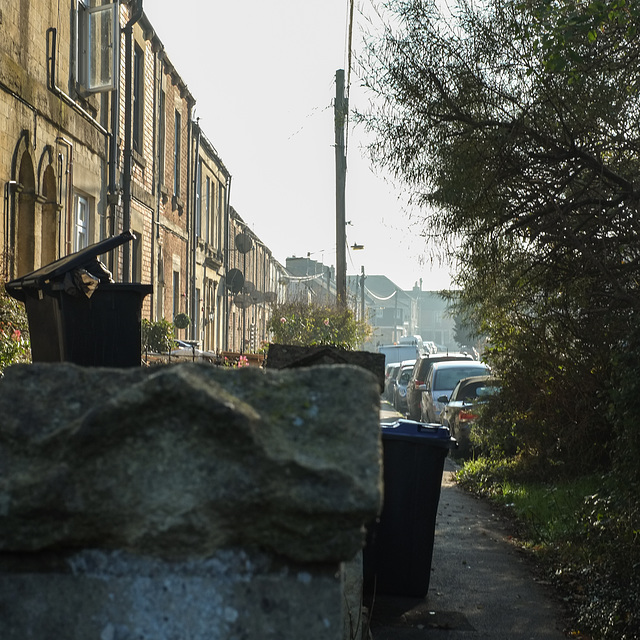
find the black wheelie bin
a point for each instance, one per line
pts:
(399, 545)
(78, 314)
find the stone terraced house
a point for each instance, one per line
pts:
(97, 136)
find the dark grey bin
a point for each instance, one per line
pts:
(399, 547)
(103, 330)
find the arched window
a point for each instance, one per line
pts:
(50, 209)
(26, 219)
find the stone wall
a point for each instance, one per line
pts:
(183, 502)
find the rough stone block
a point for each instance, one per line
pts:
(184, 501)
(179, 461)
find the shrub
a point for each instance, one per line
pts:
(14, 331)
(157, 336)
(302, 324)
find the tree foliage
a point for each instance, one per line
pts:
(303, 324)
(533, 162)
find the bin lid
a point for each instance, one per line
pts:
(55, 270)
(426, 433)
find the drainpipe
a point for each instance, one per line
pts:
(188, 206)
(126, 212)
(69, 213)
(195, 127)
(225, 292)
(158, 66)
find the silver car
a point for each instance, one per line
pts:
(441, 381)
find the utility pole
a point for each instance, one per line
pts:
(340, 118)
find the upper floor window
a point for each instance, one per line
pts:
(161, 134)
(198, 207)
(138, 98)
(176, 154)
(96, 37)
(207, 208)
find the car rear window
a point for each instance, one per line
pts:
(449, 378)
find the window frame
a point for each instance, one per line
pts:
(81, 227)
(89, 54)
(137, 138)
(177, 138)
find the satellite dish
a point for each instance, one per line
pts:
(257, 296)
(234, 280)
(249, 287)
(270, 296)
(244, 243)
(243, 301)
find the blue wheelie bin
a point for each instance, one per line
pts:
(399, 547)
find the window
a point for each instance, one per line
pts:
(138, 98)
(196, 316)
(221, 208)
(176, 293)
(198, 208)
(81, 212)
(207, 208)
(96, 36)
(176, 154)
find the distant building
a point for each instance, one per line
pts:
(433, 321)
(394, 313)
(262, 284)
(310, 281)
(388, 309)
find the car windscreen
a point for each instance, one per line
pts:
(449, 378)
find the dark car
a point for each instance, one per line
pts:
(400, 393)
(442, 380)
(419, 377)
(462, 408)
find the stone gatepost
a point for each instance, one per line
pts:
(184, 502)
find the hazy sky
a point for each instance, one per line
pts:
(263, 76)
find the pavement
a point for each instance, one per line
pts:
(481, 586)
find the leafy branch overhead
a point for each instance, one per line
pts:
(471, 119)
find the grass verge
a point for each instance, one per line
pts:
(583, 532)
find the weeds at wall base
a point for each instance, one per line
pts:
(584, 535)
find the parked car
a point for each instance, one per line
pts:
(399, 352)
(402, 379)
(461, 410)
(441, 381)
(390, 373)
(419, 377)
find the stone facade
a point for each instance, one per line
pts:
(91, 145)
(211, 192)
(263, 284)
